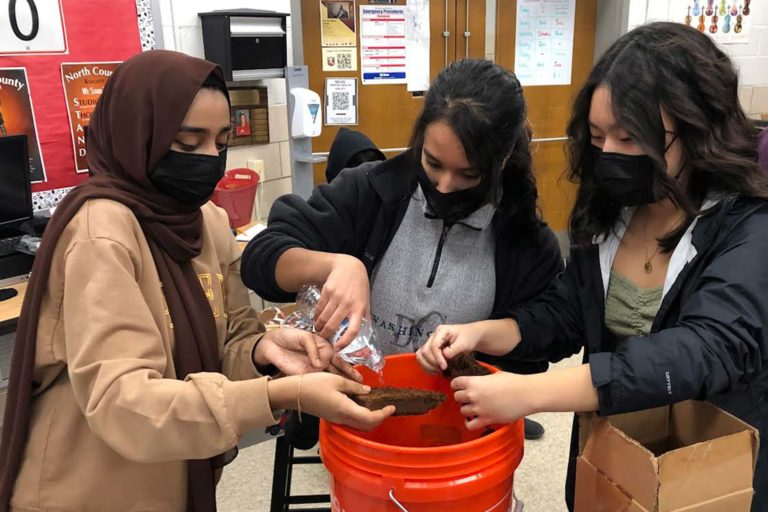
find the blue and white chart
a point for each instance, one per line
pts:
(544, 41)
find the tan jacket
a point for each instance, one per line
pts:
(111, 426)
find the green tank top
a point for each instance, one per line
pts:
(629, 309)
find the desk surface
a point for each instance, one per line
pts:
(11, 308)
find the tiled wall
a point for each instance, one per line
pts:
(276, 157)
(751, 58)
(181, 31)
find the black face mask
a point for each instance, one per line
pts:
(188, 177)
(452, 206)
(626, 179)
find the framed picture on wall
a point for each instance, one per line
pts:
(250, 115)
(242, 123)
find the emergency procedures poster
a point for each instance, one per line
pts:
(18, 118)
(382, 44)
(83, 85)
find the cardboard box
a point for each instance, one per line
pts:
(267, 315)
(691, 457)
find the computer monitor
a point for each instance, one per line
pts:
(15, 187)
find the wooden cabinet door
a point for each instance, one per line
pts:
(470, 20)
(386, 113)
(549, 107)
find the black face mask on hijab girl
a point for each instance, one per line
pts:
(627, 179)
(189, 178)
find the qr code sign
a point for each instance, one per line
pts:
(344, 61)
(340, 100)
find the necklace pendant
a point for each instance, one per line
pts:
(648, 267)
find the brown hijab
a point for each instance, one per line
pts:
(132, 128)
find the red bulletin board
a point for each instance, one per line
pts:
(96, 31)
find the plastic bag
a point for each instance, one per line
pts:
(363, 349)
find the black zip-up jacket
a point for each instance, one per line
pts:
(359, 214)
(709, 339)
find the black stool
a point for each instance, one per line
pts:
(281, 481)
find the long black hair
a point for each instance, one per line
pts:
(676, 68)
(483, 104)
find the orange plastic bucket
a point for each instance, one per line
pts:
(420, 463)
(236, 192)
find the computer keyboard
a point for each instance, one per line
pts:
(8, 245)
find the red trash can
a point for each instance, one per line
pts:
(236, 193)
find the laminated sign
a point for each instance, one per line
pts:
(32, 27)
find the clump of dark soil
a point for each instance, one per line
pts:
(464, 365)
(407, 401)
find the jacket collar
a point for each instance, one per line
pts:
(718, 218)
(394, 179)
(477, 220)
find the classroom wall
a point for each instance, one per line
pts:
(178, 28)
(751, 58)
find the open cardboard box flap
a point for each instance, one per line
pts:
(597, 493)
(690, 456)
(269, 313)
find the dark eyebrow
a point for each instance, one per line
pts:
(192, 129)
(432, 157)
(195, 129)
(611, 127)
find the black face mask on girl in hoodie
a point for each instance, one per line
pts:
(451, 206)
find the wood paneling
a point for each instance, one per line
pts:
(387, 112)
(556, 193)
(476, 39)
(549, 107)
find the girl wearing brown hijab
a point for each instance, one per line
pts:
(137, 355)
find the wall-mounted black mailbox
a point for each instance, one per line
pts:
(248, 44)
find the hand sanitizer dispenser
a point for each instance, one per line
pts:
(307, 116)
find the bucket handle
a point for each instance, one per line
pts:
(516, 503)
(394, 500)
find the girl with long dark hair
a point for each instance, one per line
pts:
(446, 232)
(665, 289)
